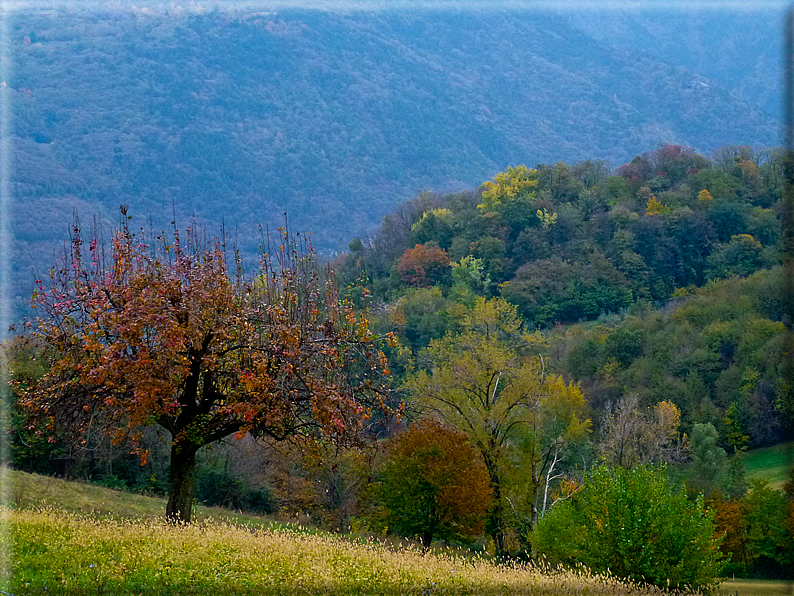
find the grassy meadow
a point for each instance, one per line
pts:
(32, 490)
(72, 538)
(63, 553)
(772, 464)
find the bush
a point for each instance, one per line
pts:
(770, 544)
(112, 481)
(636, 525)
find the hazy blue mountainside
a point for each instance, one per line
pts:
(740, 50)
(333, 118)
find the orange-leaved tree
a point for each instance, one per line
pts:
(163, 333)
(424, 265)
(434, 484)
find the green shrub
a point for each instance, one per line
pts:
(112, 481)
(636, 525)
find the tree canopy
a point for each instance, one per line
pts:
(485, 382)
(434, 484)
(163, 333)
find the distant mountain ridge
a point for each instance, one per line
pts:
(739, 50)
(333, 118)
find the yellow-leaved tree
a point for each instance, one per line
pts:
(510, 197)
(486, 383)
(705, 195)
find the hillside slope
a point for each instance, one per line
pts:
(738, 49)
(333, 118)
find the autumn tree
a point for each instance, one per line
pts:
(655, 207)
(515, 183)
(705, 196)
(485, 382)
(434, 484)
(341, 479)
(162, 333)
(731, 525)
(632, 437)
(423, 265)
(511, 197)
(436, 226)
(757, 532)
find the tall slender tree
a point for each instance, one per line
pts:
(485, 383)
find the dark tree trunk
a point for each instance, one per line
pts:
(495, 525)
(497, 522)
(533, 520)
(536, 492)
(180, 496)
(427, 539)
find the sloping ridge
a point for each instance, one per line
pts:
(332, 118)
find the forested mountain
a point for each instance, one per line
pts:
(739, 50)
(718, 355)
(331, 117)
(568, 243)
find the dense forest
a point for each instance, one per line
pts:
(656, 288)
(571, 246)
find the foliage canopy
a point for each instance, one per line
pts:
(163, 334)
(434, 484)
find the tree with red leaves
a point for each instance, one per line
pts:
(424, 265)
(434, 484)
(163, 333)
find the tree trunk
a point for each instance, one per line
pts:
(495, 525)
(180, 496)
(533, 519)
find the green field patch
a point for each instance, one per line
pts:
(755, 587)
(772, 464)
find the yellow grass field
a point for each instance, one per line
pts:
(73, 538)
(755, 587)
(56, 552)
